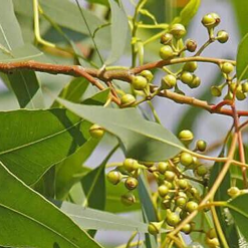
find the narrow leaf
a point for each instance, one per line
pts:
(24, 84)
(188, 12)
(93, 219)
(120, 35)
(141, 139)
(242, 59)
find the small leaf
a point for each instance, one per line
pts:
(34, 219)
(188, 12)
(93, 219)
(242, 59)
(120, 33)
(142, 140)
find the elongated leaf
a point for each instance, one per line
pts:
(24, 53)
(92, 219)
(238, 209)
(141, 139)
(24, 84)
(120, 35)
(30, 148)
(242, 59)
(94, 186)
(32, 221)
(188, 12)
(148, 210)
(71, 170)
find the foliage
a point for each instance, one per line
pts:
(51, 195)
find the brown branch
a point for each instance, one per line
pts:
(125, 75)
(199, 103)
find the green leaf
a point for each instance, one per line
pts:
(227, 225)
(30, 148)
(241, 9)
(24, 83)
(94, 186)
(73, 91)
(188, 12)
(68, 172)
(148, 210)
(34, 219)
(98, 99)
(120, 33)
(242, 59)
(92, 219)
(71, 170)
(23, 53)
(103, 2)
(142, 140)
(238, 209)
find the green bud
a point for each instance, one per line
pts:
(233, 192)
(127, 100)
(96, 131)
(128, 199)
(178, 30)
(166, 52)
(139, 82)
(227, 68)
(163, 190)
(114, 177)
(131, 183)
(155, 227)
(172, 219)
(186, 136)
(222, 36)
(216, 91)
(201, 145)
(186, 77)
(245, 87)
(147, 74)
(168, 82)
(166, 39)
(162, 167)
(186, 159)
(191, 206)
(190, 66)
(130, 164)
